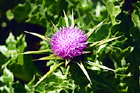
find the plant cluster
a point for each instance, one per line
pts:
(70, 46)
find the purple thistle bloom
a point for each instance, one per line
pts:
(69, 42)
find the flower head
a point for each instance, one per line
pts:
(69, 42)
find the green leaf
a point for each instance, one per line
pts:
(9, 15)
(7, 76)
(136, 19)
(4, 51)
(113, 10)
(17, 63)
(11, 42)
(57, 83)
(61, 22)
(20, 45)
(18, 86)
(21, 11)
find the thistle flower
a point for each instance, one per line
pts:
(69, 42)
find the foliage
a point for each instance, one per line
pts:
(110, 64)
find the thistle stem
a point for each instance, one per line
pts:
(67, 70)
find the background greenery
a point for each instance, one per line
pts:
(113, 67)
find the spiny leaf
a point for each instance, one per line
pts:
(37, 52)
(103, 41)
(84, 71)
(38, 35)
(94, 28)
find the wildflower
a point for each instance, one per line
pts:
(69, 42)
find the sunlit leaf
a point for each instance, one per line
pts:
(4, 51)
(9, 15)
(7, 76)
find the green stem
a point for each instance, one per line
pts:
(48, 73)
